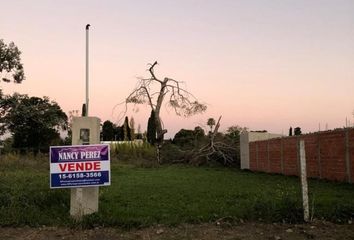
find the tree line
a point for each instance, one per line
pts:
(125, 132)
(32, 122)
(35, 124)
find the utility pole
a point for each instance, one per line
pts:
(87, 69)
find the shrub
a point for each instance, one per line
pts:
(171, 153)
(139, 154)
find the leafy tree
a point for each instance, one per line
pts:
(139, 128)
(83, 110)
(297, 131)
(126, 129)
(11, 66)
(139, 135)
(199, 133)
(151, 129)
(33, 122)
(72, 114)
(234, 131)
(132, 128)
(153, 91)
(290, 131)
(108, 131)
(189, 138)
(119, 133)
(211, 123)
(184, 137)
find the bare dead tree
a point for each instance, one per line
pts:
(154, 91)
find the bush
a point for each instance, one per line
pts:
(190, 139)
(139, 154)
(172, 153)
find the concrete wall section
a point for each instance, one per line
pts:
(245, 151)
(245, 139)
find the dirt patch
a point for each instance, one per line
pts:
(318, 230)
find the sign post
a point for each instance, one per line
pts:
(82, 167)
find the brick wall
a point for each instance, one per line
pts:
(329, 155)
(351, 154)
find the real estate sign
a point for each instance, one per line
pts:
(79, 166)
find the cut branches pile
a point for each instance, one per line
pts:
(215, 150)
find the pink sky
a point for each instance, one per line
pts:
(260, 64)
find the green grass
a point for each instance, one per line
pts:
(168, 195)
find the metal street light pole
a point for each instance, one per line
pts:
(87, 69)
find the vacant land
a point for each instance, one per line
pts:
(169, 195)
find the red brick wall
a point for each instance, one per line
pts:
(332, 152)
(329, 155)
(275, 155)
(262, 156)
(253, 153)
(351, 154)
(290, 160)
(312, 153)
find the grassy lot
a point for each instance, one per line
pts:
(168, 195)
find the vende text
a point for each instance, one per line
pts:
(80, 166)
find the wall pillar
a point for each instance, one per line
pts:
(83, 201)
(244, 151)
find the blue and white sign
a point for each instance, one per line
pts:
(80, 166)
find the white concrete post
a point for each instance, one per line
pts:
(84, 201)
(244, 150)
(304, 186)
